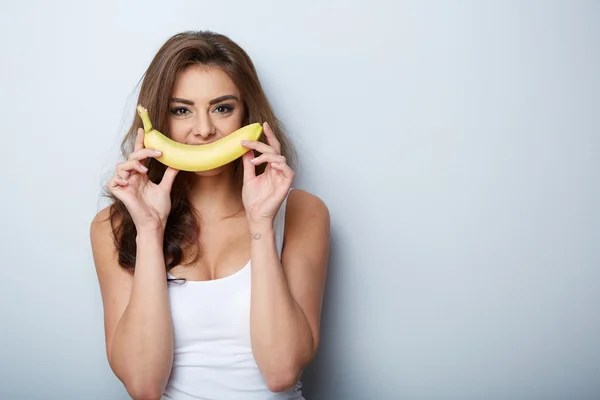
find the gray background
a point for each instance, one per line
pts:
(455, 143)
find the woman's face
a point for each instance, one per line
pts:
(205, 106)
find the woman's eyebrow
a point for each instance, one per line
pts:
(183, 101)
(223, 98)
(213, 101)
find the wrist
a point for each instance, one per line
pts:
(261, 226)
(261, 232)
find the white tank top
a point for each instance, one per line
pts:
(211, 326)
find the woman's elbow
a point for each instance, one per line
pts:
(144, 392)
(281, 376)
(140, 386)
(282, 380)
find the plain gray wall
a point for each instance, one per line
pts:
(455, 143)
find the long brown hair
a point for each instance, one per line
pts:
(177, 53)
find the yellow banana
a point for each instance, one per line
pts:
(195, 158)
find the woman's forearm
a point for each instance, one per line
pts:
(282, 340)
(142, 347)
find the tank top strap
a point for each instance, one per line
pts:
(279, 224)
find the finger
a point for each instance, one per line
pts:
(144, 153)
(268, 157)
(271, 138)
(116, 181)
(288, 173)
(122, 172)
(249, 170)
(168, 178)
(118, 188)
(124, 169)
(139, 140)
(259, 146)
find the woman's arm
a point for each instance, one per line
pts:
(137, 317)
(287, 295)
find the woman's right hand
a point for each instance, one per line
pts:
(148, 204)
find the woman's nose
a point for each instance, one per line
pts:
(203, 128)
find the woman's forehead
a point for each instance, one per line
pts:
(202, 84)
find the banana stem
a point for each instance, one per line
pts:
(143, 113)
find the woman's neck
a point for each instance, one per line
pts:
(216, 197)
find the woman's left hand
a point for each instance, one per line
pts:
(262, 195)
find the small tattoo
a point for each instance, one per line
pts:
(255, 236)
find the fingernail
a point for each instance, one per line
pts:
(124, 181)
(245, 142)
(158, 153)
(144, 169)
(254, 160)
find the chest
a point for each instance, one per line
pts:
(222, 251)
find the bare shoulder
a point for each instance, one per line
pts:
(101, 220)
(302, 205)
(307, 221)
(101, 230)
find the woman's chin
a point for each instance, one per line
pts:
(210, 172)
(227, 169)
(215, 171)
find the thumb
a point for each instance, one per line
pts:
(168, 178)
(249, 168)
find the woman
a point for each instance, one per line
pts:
(211, 282)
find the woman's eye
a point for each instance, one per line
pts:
(179, 111)
(223, 109)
